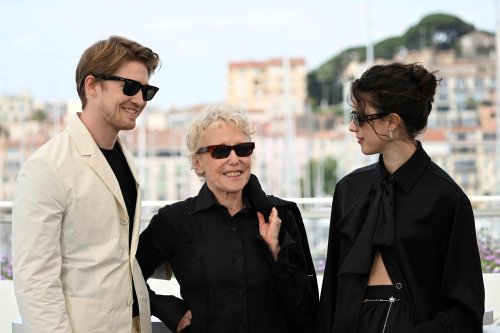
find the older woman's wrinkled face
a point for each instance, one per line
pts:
(225, 175)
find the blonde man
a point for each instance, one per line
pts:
(76, 210)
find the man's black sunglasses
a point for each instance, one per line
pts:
(132, 87)
(223, 151)
(359, 120)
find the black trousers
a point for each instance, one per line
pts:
(384, 312)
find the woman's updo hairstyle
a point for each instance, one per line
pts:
(405, 89)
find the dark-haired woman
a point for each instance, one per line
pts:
(402, 253)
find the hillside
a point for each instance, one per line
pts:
(438, 31)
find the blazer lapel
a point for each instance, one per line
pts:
(88, 148)
(137, 214)
(98, 162)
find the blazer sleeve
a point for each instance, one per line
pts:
(327, 303)
(293, 269)
(298, 297)
(38, 210)
(462, 287)
(155, 248)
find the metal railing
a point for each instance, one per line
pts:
(315, 212)
(316, 215)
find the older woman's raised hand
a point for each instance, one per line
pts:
(270, 231)
(185, 321)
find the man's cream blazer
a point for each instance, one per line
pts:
(73, 267)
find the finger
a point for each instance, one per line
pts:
(275, 223)
(273, 217)
(274, 212)
(185, 321)
(260, 216)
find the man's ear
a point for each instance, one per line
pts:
(90, 85)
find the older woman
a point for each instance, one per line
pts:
(237, 272)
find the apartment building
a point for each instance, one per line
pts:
(461, 136)
(158, 144)
(268, 88)
(15, 108)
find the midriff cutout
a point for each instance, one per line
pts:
(378, 273)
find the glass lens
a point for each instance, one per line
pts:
(149, 92)
(131, 87)
(355, 119)
(244, 149)
(220, 152)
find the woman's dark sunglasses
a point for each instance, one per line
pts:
(132, 87)
(359, 120)
(223, 151)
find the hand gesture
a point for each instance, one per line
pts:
(270, 231)
(184, 322)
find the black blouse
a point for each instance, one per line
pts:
(227, 276)
(423, 225)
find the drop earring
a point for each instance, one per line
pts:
(390, 133)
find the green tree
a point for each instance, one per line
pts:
(471, 103)
(40, 115)
(324, 84)
(437, 31)
(323, 173)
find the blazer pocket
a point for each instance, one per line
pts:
(88, 315)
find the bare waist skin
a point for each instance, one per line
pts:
(378, 274)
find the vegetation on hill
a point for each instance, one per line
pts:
(438, 31)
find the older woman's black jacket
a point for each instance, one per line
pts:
(225, 270)
(423, 225)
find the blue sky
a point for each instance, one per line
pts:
(42, 40)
